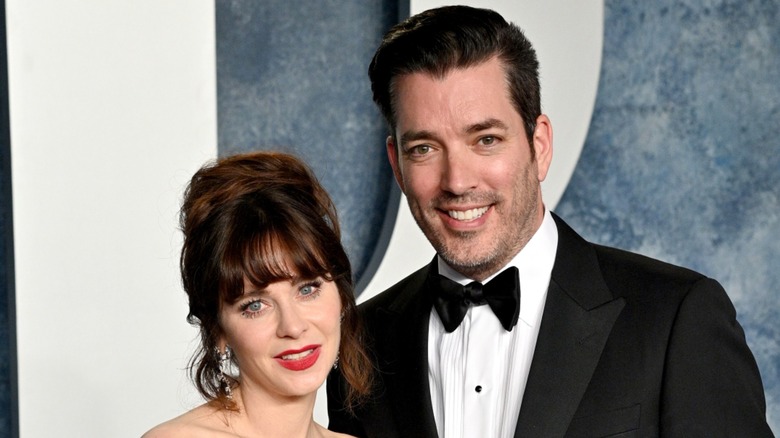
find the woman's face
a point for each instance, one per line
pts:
(285, 337)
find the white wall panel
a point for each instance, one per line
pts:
(112, 109)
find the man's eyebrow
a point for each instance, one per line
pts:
(485, 125)
(491, 123)
(410, 136)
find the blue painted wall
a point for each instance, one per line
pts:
(682, 159)
(295, 79)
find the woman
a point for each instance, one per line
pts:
(270, 288)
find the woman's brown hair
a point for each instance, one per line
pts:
(259, 216)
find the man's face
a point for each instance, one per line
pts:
(464, 163)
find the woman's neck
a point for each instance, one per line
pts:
(262, 414)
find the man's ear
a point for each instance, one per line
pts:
(392, 156)
(543, 146)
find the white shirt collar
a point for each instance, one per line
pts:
(535, 262)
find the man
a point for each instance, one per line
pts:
(559, 337)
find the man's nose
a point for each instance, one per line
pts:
(460, 170)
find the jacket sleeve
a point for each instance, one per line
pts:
(711, 384)
(339, 419)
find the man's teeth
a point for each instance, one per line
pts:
(297, 356)
(468, 214)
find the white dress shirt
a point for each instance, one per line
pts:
(477, 373)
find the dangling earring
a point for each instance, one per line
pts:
(224, 368)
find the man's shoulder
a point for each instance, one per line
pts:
(641, 279)
(401, 291)
(632, 265)
(625, 272)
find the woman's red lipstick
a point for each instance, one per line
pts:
(299, 360)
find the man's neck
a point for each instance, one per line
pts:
(466, 275)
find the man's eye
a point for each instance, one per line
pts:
(420, 149)
(487, 140)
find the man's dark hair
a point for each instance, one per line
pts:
(440, 40)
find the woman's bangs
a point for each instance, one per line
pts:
(281, 255)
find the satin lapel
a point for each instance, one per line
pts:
(578, 316)
(405, 353)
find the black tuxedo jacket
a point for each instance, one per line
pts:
(628, 347)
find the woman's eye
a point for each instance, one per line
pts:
(310, 290)
(252, 309)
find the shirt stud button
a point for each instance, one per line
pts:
(478, 388)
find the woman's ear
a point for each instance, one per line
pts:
(221, 343)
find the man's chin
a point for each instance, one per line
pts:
(470, 265)
(460, 249)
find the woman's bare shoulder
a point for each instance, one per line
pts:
(203, 421)
(331, 434)
(338, 435)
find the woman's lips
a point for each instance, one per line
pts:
(299, 360)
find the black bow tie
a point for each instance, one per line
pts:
(502, 294)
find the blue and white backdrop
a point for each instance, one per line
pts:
(666, 130)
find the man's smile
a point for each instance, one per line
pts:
(467, 215)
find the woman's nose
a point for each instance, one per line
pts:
(291, 323)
